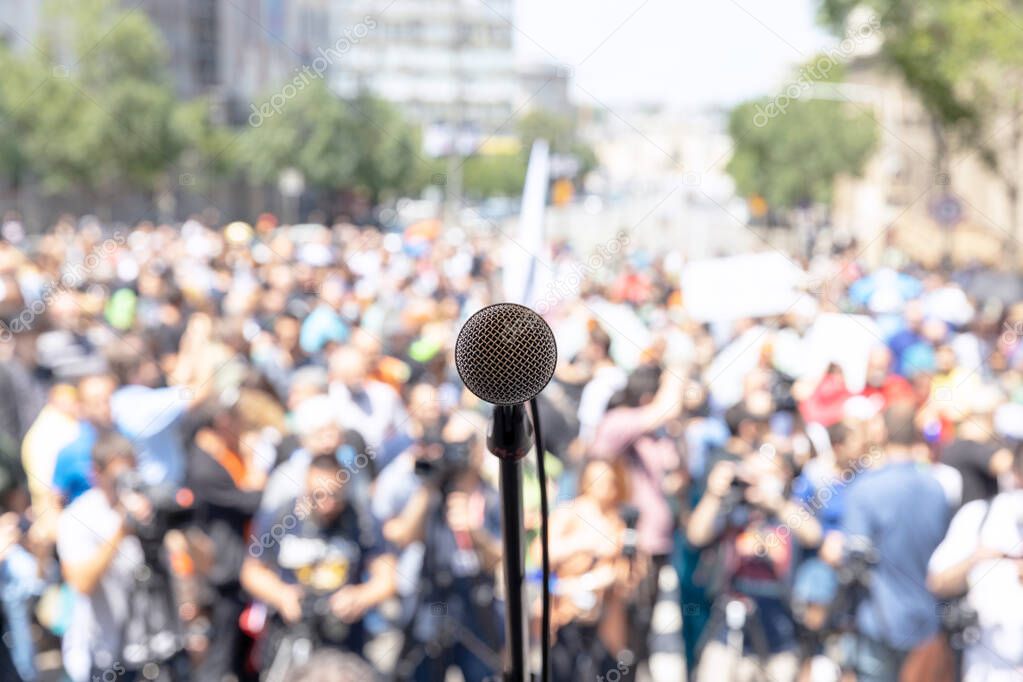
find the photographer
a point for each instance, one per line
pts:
(594, 557)
(451, 519)
(897, 510)
(633, 432)
(321, 565)
(100, 556)
(743, 521)
(227, 485)
(980, 561)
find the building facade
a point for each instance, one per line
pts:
(444, 62)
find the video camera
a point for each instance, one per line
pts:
(630, 517)
(454, 460)
(860, 558)
(172, 506)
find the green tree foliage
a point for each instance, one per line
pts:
(915, 37)
(964, 60)
(493, 175)
(793, 158)
(312, 133)
(16, 93)
(363, 144)
(561, 132)
(95, 101)
(388, 149)
(210, 150)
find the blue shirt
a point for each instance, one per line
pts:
(72, 474)
(822, 495)
(150, 418)
(901, 509)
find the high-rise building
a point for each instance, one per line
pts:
(444, 62)
(238, 50)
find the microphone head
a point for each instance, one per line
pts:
(505, 354)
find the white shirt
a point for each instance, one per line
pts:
(995, 589)
(84, 526)
(595, 396)
(376, 414)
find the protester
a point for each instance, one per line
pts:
(319, 563)
(436, 498)
(895, 516)
(977, 572)
(100, 555)
(296, 387)
(744, 513)
(599, 571)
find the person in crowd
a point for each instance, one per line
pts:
(895, 516)
(72, 473)
(975, 452)
(606, 379)
(821, 489)
(227, 486)
(882, 383)
(978, 569)
(320, 565)
(631, 433)
(151, 413)
(598, 571)
(372, 408)
(100, 555)
(333, 666)
(316, 422)
(20, 583)
(757, 532)
(435, 504)
(54, 428)
(22, 393)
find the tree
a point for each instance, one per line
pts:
(313, 133)
(209, 149)
(793, 158)
(15, 89)
(561, 132)
(363, 144)
(387, 148)
(489, 175)
(97, 110)
(964, 60)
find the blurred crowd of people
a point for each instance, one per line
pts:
(242, 452)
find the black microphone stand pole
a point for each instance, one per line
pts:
(510, 440)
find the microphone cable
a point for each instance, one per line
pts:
(545, 559)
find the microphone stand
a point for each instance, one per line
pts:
(510, 440)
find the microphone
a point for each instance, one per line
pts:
(505, 355)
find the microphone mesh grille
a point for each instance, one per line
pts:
(505, 354)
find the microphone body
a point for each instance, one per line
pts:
(510, 435)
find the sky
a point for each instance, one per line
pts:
(684, 53)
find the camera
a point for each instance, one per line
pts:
(630, 517)
(454, 459)
(860, 557)
(319, 620)
(960, 621)
(172, 507)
